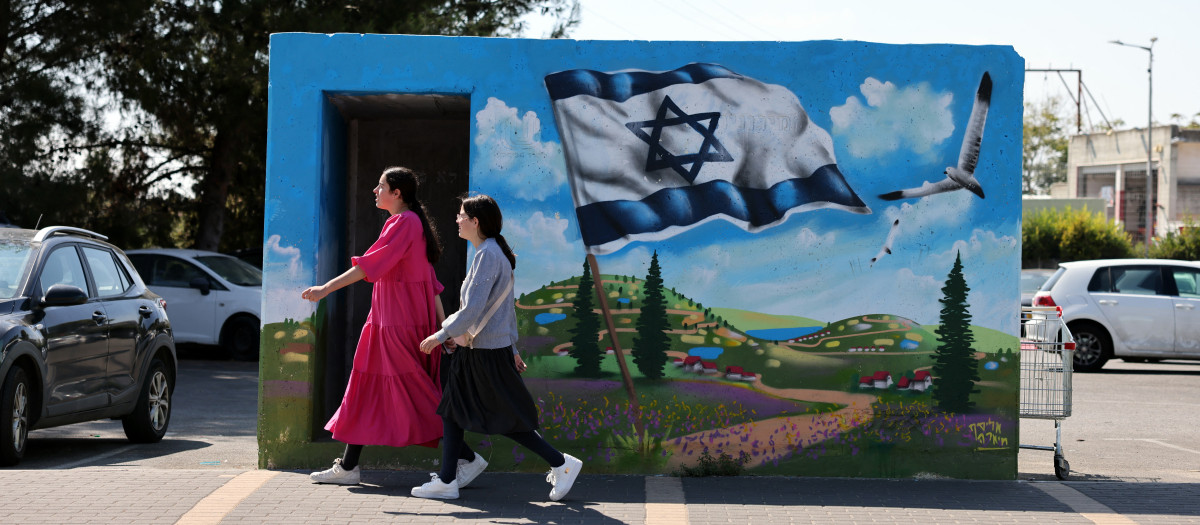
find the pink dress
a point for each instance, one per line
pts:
(394, 388)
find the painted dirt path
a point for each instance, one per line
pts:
(770, 439)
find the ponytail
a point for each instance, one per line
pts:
(433, 243)
(405, 180)
(512, 258)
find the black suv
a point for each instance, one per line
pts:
(81, 338)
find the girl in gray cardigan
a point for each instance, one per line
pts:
(483, 391)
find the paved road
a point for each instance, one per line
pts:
(1131, 442)
(214, 425)
(1130, 422)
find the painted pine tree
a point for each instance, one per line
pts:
(584, 340)
(651, 343)
(955, 368)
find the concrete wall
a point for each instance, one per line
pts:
(778, 212)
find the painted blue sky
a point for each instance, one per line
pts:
(893, 125)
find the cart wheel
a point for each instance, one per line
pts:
(1062, 469)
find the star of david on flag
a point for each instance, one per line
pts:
(653, 154)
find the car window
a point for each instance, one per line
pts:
(1032, 280)
(169, 271)
(1136, 280)
(1186, 282)
(233, 270)
(14, 255)
(63, 267)
(108, 276)
(1101, 281)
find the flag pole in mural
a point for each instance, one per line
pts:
(653, 154)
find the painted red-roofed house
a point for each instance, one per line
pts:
(733, 372)
(883, 379)
(921, 380)
(710, 368)
(902, 384)
(866, 382)
(749, 377)
(678, 361)
(691, 363)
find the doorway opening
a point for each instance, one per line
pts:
(427, 133)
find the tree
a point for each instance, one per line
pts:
(651, 343)
(585, 347)
(955, 366)
(58, 162)
(1044, 146)
(197, 69)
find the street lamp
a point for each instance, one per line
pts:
(1149, 137)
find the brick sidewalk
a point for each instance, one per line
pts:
(121, 495)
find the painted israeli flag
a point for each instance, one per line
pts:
(653, 154)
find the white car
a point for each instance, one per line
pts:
(1133, 309)
(212, 298)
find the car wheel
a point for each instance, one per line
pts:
(1093, 346)
(148, 422)
(240, 337)
(14, 416)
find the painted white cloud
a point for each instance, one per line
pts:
(282, 301)
(512, 156)
(285, 255)
(983, 246)
(543, 252)
(914, 118)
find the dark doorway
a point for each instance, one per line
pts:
(430, 134)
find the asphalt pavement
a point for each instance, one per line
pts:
(1131, 442)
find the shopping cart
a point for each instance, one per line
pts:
(1047, 350)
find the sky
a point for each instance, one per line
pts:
(1048, 34)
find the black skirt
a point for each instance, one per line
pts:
(484, 393)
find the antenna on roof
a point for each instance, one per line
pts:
(39, 222)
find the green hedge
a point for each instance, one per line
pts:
(1050, 236)
(1183, 245)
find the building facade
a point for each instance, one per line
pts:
(1112, 166)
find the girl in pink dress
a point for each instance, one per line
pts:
(394, 389)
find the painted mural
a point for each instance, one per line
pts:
(802, 256)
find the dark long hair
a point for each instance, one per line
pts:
(491, 221)
(405, 180)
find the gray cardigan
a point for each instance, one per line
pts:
(490, 273)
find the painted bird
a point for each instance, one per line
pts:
(961, 176)
(886, 249)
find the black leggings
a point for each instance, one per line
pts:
(453, 446)
(353, 452)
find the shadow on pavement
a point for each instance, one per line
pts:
(55, 452)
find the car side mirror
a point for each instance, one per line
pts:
(201, 284)
(64, 295)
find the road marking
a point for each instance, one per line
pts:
(665, 504)
(214, 507)
(1156, 442)
(1087, 507)
(93, 459)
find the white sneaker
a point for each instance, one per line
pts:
(563, 477)
(336, 475)
(435, 489)
(469, 470)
